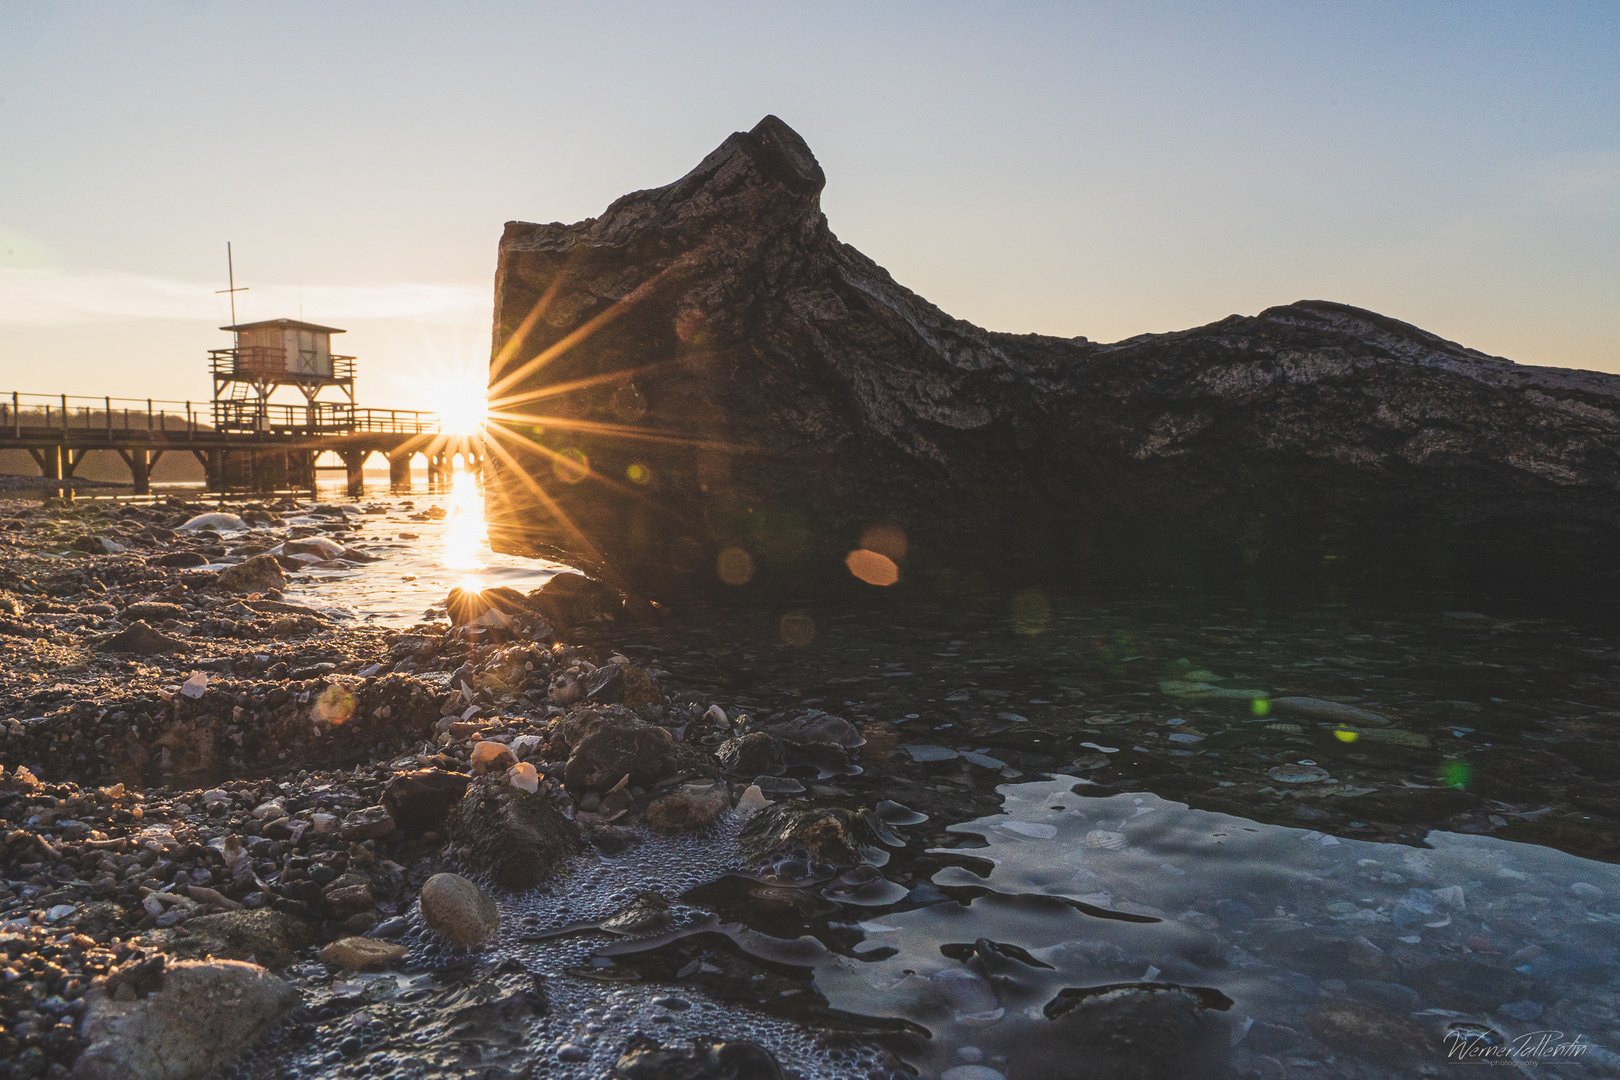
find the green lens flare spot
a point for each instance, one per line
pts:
(1260, 707)
(1346, 735)
(1456, 774)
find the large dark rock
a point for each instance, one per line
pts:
(513, 836)
(720, 390)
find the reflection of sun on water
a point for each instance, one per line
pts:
(466, 543)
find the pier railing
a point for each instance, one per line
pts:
(70, 413)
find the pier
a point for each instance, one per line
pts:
(242, 446)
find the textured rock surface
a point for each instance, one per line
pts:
(204, 1015)
(459, 910)
(805, 403)
(509, 834)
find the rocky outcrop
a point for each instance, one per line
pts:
(713, 393)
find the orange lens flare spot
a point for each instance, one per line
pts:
(797, 629)
(735, 566)
(334, 706)
(571, 465)
(885, 539)
(872, 567)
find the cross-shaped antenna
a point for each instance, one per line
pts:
(230, 268)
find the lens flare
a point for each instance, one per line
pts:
(735, 566)
(872, 568)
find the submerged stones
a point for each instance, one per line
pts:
(459, 910)
(648, 913)
(513, 836)
(831, 835)
(705, 1059)
(202, 1015)
(688, 807)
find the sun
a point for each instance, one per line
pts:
(460, 403)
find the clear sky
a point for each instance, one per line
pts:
(1067, 168)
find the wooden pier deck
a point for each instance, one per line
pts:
(273, 448)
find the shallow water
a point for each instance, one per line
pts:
(422, 557)
(1319, 948)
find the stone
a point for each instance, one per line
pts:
(490, 756)
(1330, 711)
(180, 559)
(648, 913)
(370, 823)
(484, 607)
(754, 754)
(1370, 1032)
(816, 727)
(259, 574)
(570, 600)
(420, 799)
(313, 545)
(688, 807)
(155, 610)
(96, 545)
(514, 837)
(643, 752)
(142, 639)
(214, 522)
(362, 954)
(833, 835)
(707, 1059)
(459, 910)
(788, 373)
(349, 895)
(204, 1014)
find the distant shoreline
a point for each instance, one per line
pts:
(19, 482)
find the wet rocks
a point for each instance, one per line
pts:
(261, 573)
(573, 600)
(513, 836)
(615, 749)
(272, 939)
(362, 954)
(706, 1059)
(648, 913)
(754, 754)
(1141, 1030)
(203, 1015)
(420, 799)
(141, 639)
(1371, 1032)
(367, 823)
(492, 607)
(688, 807)
(831, 835)
(459, 910)
(489, 756)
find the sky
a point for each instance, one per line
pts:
(1064, 168)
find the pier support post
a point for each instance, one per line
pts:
(399, 471)
(49, 460)
(213, 463)
(354, 463)
(140, 468)
(301, 469)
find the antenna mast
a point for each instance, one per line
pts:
(230, 270)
